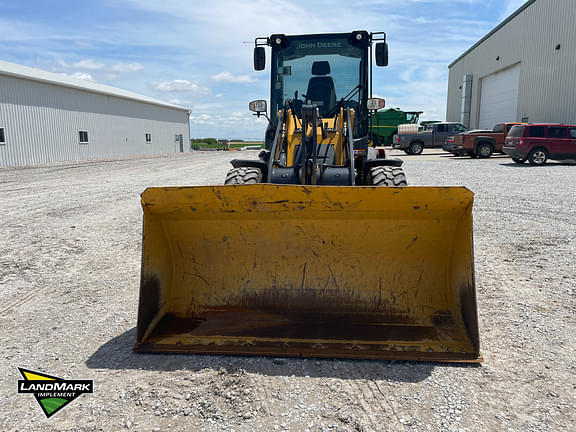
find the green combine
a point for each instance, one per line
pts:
(384, 124)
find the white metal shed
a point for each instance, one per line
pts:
(47, 117)
(523, 70)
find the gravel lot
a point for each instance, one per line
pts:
(69, 274)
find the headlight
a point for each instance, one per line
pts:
(258, 106)
(374, 104)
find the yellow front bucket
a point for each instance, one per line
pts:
(356, 272)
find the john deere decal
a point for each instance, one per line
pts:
(52, 393)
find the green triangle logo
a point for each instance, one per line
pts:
(52, 405)
(52, 393)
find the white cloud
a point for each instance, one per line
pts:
(88, 65)
(231, 124)
(81, 75)
(228, 77)
(202, 119)
(179, 86)
(206, 106)
(82, 64)
(96, 66)
(419, 89)
(127, 67)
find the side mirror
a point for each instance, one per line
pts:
(259, 58)
(382, 54)
(258, 106)
(374, 104)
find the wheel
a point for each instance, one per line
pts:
(519, 160)
(484, 150)
(386, 176)
(538, 156)
(244, 176)
(415, 148)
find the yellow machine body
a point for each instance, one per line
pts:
(316, 271)
(333, 135)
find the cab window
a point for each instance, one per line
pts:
(499, 128)
(457, 128)
(573, 133)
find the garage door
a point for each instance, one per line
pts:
(499, 97)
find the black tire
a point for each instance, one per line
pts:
(538, 156)
(484, 150)
(244, 176)
(387, 176)
(518, 160)
(416, 148)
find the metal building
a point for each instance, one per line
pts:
(523, 70)
(47, 117)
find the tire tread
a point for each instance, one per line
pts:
(243, 176)
(387, 176)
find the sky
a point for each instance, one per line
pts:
(198, 54)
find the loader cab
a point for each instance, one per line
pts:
(326, 70)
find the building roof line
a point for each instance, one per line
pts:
(502, 24)
(34, 74)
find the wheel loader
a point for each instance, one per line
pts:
(317, 248)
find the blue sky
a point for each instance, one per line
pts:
(198, 54)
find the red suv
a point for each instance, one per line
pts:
(536, 143)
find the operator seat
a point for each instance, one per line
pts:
(321, 91)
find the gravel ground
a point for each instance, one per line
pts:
(69, 274)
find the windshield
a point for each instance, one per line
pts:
(320, 70)
(412, 117)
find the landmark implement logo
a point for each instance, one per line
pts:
(52, 393)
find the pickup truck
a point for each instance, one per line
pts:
(479, 143)
(434, 135)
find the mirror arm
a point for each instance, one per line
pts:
(264, 114)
